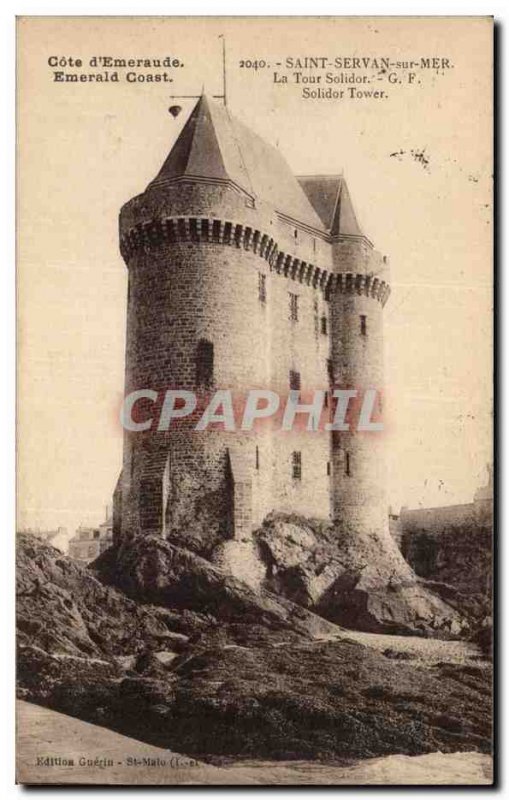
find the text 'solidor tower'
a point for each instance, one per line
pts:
(243, 276)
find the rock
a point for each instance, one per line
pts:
(253, 681)
(358, 581)
(242, 560)
(62, 607)
(398, 654)
(155, 571)
(456, 561)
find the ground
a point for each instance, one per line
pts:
(183, 657)
(43, 732)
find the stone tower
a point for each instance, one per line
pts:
(357, 295)
(243, 276)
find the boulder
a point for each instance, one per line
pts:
(62, 607)
(153, 570)
(359, 581)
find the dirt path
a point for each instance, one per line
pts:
(48, 734)
(430, 651)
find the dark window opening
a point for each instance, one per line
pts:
(295, 233)
(330, 369)
(328, 467)
(294, 379)
(193, 230)
(326, 399)
(257, 458)
(347, 464)
(262, 288)
(216, 230)
(297, 465)
(323, 325)
(294, 307)
(364, 327)
(204, 363)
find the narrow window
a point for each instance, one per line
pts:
(326, 399)
(297, 465)
(330, 370)
(262, 288)
(216, 230)
(295, 234)
(294, 307)
(363, 325)
(328, 467)
(323, 324)
(257, 458)
(347, 464)
(204, 363)
(294, 379)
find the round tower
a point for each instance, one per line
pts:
(197, 243)
(357, 293)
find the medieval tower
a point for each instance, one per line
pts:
(243, 276)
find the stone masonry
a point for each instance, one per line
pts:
(243, 276)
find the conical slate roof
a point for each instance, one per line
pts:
(329, 196)
(215, 146)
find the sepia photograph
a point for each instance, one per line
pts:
(255, 466)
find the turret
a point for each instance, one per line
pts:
(358, 293)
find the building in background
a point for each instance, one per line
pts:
(88, 543)
(477, 514)
(451, 544)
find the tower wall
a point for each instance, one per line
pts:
(356, 307)
(216, 273)
(300, 346)
(197, 282)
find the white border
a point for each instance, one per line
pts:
(10, 9)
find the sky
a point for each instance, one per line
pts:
(418, 164)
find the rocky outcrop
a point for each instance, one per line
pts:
(153, 570)
(361, 582)
(459, 559)
(63, 608)
(223, 670)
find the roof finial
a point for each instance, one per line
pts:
(221, 36)
(215, 96)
